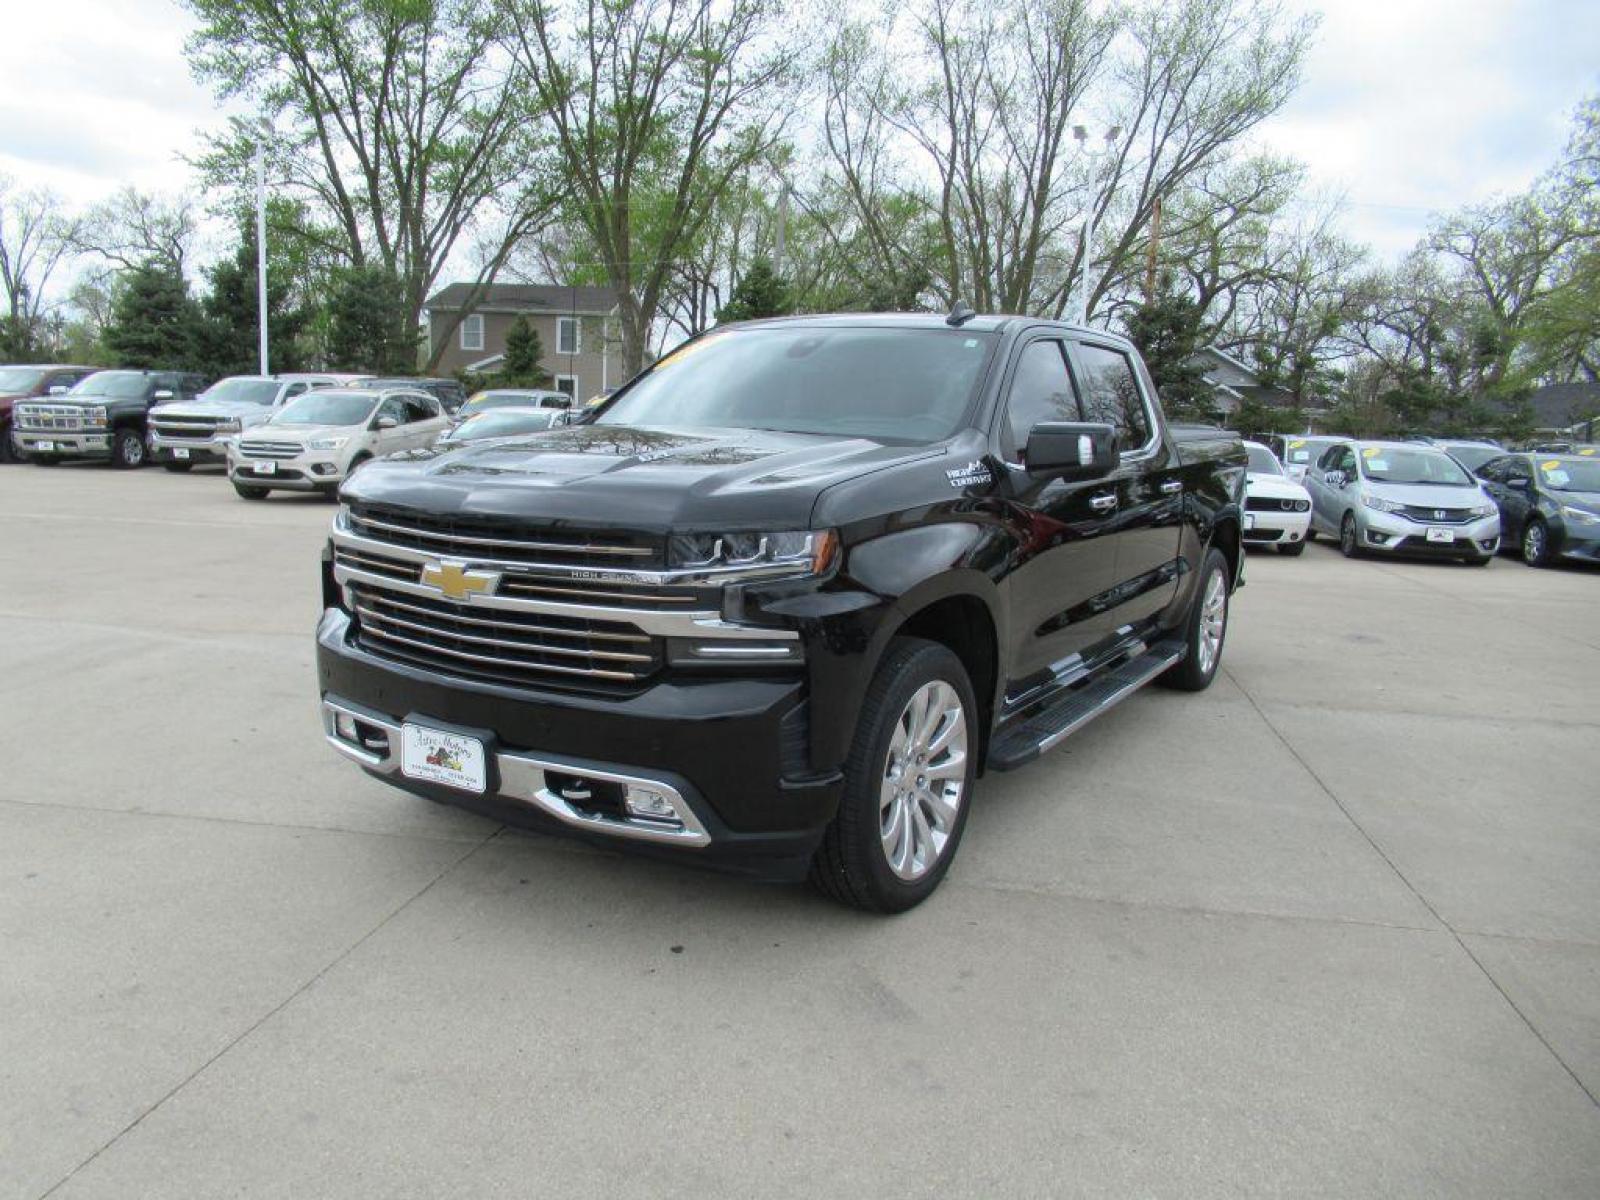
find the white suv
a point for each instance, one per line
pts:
(315, 440)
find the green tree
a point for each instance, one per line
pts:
(760, 292)
(368, 326)
(155, 323)
(1168, 331)
(524, 361)
(231, 308)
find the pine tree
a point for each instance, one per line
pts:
(369, 323)
(231, 336)
(760, 292)
(1168, 332)
(155, 323)
(524, 360)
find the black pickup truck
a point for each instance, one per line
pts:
(104, 417)
(779, 602)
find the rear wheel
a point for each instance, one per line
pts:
(247, 492)
(1206, 629)
(127, 449)
(1349, 546)
(907, 783)
(8, 450)
(1536, 544)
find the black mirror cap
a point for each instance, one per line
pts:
(1072, 450)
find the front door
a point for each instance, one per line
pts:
(1148, 518)
(1063, 559)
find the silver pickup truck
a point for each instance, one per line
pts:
(197, 431)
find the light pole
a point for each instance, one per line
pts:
(263, 131)
(1080, 134)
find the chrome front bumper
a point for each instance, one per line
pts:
(80, 445)
(1401, 534)
(520, 776)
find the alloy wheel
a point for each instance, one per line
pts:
(1213, 621)
(1533, 543)
(924, 777)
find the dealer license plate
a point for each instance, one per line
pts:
(181, 452)
(438, 757)
(265, 468)
(44, 445)
(1441, 535)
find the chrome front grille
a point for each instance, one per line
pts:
(49, 418)
(499, 644)
(1438, 516)
(278, 450)
(200, 429)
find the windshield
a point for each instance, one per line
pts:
(893, 385)
(483, 401)
(1402, 464)
(1262, 461)
(502, 424)
(1572, 474)
(242, 390)
(18, 379)
(326, 408)
(1302, 452)
(1473, 457)
(117, 384)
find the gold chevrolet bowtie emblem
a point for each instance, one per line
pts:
(456, 581)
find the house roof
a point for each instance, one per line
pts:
(526, 298)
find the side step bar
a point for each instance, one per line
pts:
(1051, 726)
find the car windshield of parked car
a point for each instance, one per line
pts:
(1302, 452)
(119, 385)
(1572, 474)
(1261, 460)
(18, 379)
(326, 408)
(1473, 457)
(483, 401)
(892, 385)
(243, 391)
(501, 424)
(1400, 464)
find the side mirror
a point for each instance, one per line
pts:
(385, 423)
(163, 394)
(1071, 450)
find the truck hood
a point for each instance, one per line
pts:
(632, 477)
(211, 408)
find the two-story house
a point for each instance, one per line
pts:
(576, 327)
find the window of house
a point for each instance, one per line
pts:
(472, 332)
(569, 336)
(568, 385)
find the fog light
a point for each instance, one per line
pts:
(345, 726)
(649, 805)
(323, 468)
(1376, 538)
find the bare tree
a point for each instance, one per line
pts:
(35, 238)
(655, 107)
(134, 228)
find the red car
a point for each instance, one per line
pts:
(27, 383)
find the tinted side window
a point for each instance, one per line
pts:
(1517, 469)
(1111, 395)
(1330, 456)
(1041, 390)
(1493, 470)
(394, 409)
(420, 408)
(294, 390)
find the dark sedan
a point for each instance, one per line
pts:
(1549, 504)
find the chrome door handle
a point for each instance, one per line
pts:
(1103, 503)
(1172, 487)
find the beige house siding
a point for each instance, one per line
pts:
(596, 365)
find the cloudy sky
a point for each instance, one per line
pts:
(1408, 107)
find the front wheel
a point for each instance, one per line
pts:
(127, 449)
(1206, 628)
(907, 783)
(1536, 544)
(1349, 546)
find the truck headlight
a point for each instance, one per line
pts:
(229, 425)
(332, 443)
(796, 552)
(1382, 505)
(95, 418)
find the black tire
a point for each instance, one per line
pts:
(44, 460)
(177, 468)
(1349, 544)
(8, 448)
(128, 450)
(246, 492)
(1194, 673)
(1536, 544)
(1311, 535)
(852, 865)
(1294, 548)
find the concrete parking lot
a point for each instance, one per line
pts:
(1331, 928)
